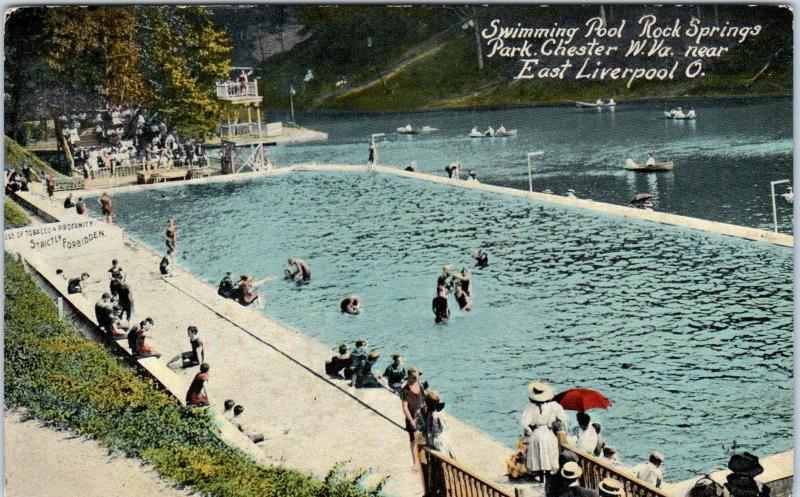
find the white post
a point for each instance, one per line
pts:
(60, 307)
(372, 140)
(291, 104)
(530, 168)
(774, 206)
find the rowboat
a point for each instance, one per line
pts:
(407, 130)
(610, 103)
(679, 115)
(429, 129)
(631, 165)
(511, 132)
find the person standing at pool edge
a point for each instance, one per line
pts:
(413, 398)
(542, 418)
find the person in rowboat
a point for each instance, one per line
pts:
(501, 130)
(651, 161)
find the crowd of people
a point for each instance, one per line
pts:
(422, 408)
(125, 136)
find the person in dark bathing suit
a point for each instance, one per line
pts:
(350, 305)
(171, 238)
(440, 307)
(481, 259)
(193, 357)
(301, 274)
(163, 267)
(226, 288)
(338, 363)
(463, 289)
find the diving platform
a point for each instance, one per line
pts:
(240, 93)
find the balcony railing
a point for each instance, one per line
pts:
(232, 90)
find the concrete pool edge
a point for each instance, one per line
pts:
(696, 224)
(478, 450)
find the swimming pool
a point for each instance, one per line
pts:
(689, 334)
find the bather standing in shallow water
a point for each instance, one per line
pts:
(439, 305)
(463, 289)
(171, 238)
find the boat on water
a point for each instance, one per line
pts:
(599, 104)
(678, 114)
(632, 165)
(429, 129)
(501, 132)
(407, 130)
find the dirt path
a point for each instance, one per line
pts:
(43, 462)
(418, 52)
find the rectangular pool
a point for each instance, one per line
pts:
(689, 334)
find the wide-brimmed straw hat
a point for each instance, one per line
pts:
(610, 486)
(539, 391)
(571, 471)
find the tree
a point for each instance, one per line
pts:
(25, 70)
(168, 58)
(186, 55)
(469, 18)
(96, 47)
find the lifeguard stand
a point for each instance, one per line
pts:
(242, 93)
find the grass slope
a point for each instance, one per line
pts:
(15, 155)
(449, 78)
(72, 383)
(13, 215)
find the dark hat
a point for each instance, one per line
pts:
(745, 463)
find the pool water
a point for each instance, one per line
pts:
(689, 334)
(724, 160)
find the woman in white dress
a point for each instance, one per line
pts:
(541, 419)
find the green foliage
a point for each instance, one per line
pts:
(449, 77)
(76, 384)
(15, 155)
(354, 41)
(187, 55)
(166, 57)
(13, 215)
(95, 47)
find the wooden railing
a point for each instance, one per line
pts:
(595, 470)
(445, 477)
(233, 90)
(69, 183)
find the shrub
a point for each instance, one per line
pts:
(72, 383)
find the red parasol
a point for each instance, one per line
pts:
(582, 399)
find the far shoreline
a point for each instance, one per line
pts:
(543, 104)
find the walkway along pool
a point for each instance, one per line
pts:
(689, 333)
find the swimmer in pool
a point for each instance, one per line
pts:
(442, 280)
(481, 259)
(350, 305)
(463, 290)
(301, 273)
